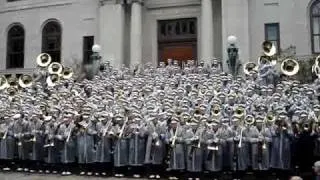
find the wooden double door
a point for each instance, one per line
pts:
(177, 40)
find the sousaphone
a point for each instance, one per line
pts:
(52, 80)
(43, 60)
(67, 73)
(3, 82)
(290, 67)
(249, 68)
(55, 68)
(269, 49)
(25, 81)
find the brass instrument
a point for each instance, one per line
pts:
(122, 128)
(55, 68)
(239, 112)
(270, 118)
(69, 134)
(12, 81)
(269, 49)
(173, 143)
(25, 81)
(3, 82)
(67, 73)
(12, 91)
(105, 130)
(216, 111)
(214, 146)
(290, 67)
(43, 60)
(52, 80)
(249, 120)
(249, 68)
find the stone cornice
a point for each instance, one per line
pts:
(19, 7)
(133, 1)
(104, 2)
(156, 4)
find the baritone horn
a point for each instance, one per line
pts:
(25, 81)
(290, 67)
(249, 68)
(239, 112)
(43, 60)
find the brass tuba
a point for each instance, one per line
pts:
(53, 79)
(67, 73)
(270, 118)
(269, 49)
(55, 68)
(290, 67)
(249, 68)
(25, 81)
(3, 82)
(12, 91)
(43, 60)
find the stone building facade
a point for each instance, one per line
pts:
(139, 31)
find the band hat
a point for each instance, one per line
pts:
(16, 116)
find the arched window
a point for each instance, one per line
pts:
(15, 47)
(51, 40)
(315, 26)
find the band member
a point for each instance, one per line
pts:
(155, 148)
(7, 143)
(137, 146)
(214, 149)
(194, 147)
(22, 131)
(281, 146)
(37, 142)
(104, 144)
(66, 136)
(51, 157)
(176, 151)
(85, 143)
(121, 145)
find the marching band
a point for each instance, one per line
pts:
(189, 122)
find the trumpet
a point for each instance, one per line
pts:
(290, 67)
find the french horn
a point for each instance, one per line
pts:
(269, 49)
(25, 81)
(52, 80)
(249, 68)
(55, 68)
(290, 67)
(43, 60)
(3, 82)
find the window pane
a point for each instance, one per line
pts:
(88, 42)
(272, 32)
(15, 47)
(51, 40)
(315, 24)
(316, 43)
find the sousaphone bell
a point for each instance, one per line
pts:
(55, 68)
(43, 60)
(25, 81)
(67, 73)
(52, 80)
(290, 67)
(3, 82)
(269, 49)
(249, 68)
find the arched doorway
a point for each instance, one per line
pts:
(177, 39)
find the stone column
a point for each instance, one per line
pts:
(206, 31)
(136, 32)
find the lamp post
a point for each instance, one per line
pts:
(92, 67)
(233, 56)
